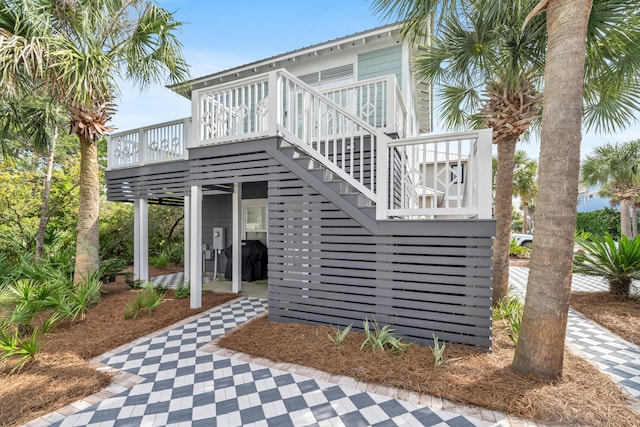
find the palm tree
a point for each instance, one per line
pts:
(489, 74)
(616, 168)
(608, 30)
(524, 184)
(79, 50)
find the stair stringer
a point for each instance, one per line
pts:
(321, 187)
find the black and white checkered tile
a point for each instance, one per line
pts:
(185, 387)
(613, 355)
(170, 281)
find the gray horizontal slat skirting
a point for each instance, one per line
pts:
(331, 263)
(411, 333)
(351, 300)
(424, 277)
(474, 286)
(405, 250)
(390, 258)
(400, 317)
(411, 328)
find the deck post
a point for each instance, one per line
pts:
(195, 246)
(382, 176)
(483, 169)
(187, 235)
(140, 240)
(274, 103)
(236, 265)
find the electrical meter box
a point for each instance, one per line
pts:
(218, 238)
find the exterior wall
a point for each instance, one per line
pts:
(423, 277)
(380, 63)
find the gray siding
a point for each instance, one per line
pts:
(423, 277)
(380, 63)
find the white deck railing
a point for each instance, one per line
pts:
(158, 143)
(330, 133)
(378, 102)
(436, 176)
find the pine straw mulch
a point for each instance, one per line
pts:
(584, 396)
(619, 314)
(61, 375)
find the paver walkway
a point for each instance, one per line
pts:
(612, 354)
(176, 382)
(175, 378)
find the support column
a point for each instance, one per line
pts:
(187, 235)
(195, 246)
(236, 285)
(140, 240)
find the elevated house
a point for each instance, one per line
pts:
(318, 153)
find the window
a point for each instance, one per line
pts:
(455, 174)
(254, 220)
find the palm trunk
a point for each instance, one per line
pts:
(540, 349)
(503, 208)
(44, 212)
(87, 244)
(634, 219)
(525, 217)
(625, 218)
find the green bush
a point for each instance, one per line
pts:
(116, 232)
(146, 299)
(599, 222)
(516, 250)
(381, 339)
(617, 262)
(510, 308)
(159, 261)
(183, 291)
(110, 268)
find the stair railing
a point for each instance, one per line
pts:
(435, 176)
(332, 135)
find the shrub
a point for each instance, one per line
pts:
(159, 261)
(439, 358)
(183, 291)
(516, 250)
(78, 298)
(381, 339)
(599, 222)
(510, 308)
(146, 299)
(339, 336)
(25, 299)
(617, 262)
(110, 268)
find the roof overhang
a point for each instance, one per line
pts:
(281, 61)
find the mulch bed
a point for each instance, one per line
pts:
(616, 313)
(584, 396)
(61, 375)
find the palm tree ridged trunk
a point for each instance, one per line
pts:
(525, 217)
(540, 349)
(625, 217)
(502, 214)
(44, 212)
(87, 256)
(634, 219)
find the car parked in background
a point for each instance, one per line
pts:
(523, 239)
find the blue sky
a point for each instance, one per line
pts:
(221, 34)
